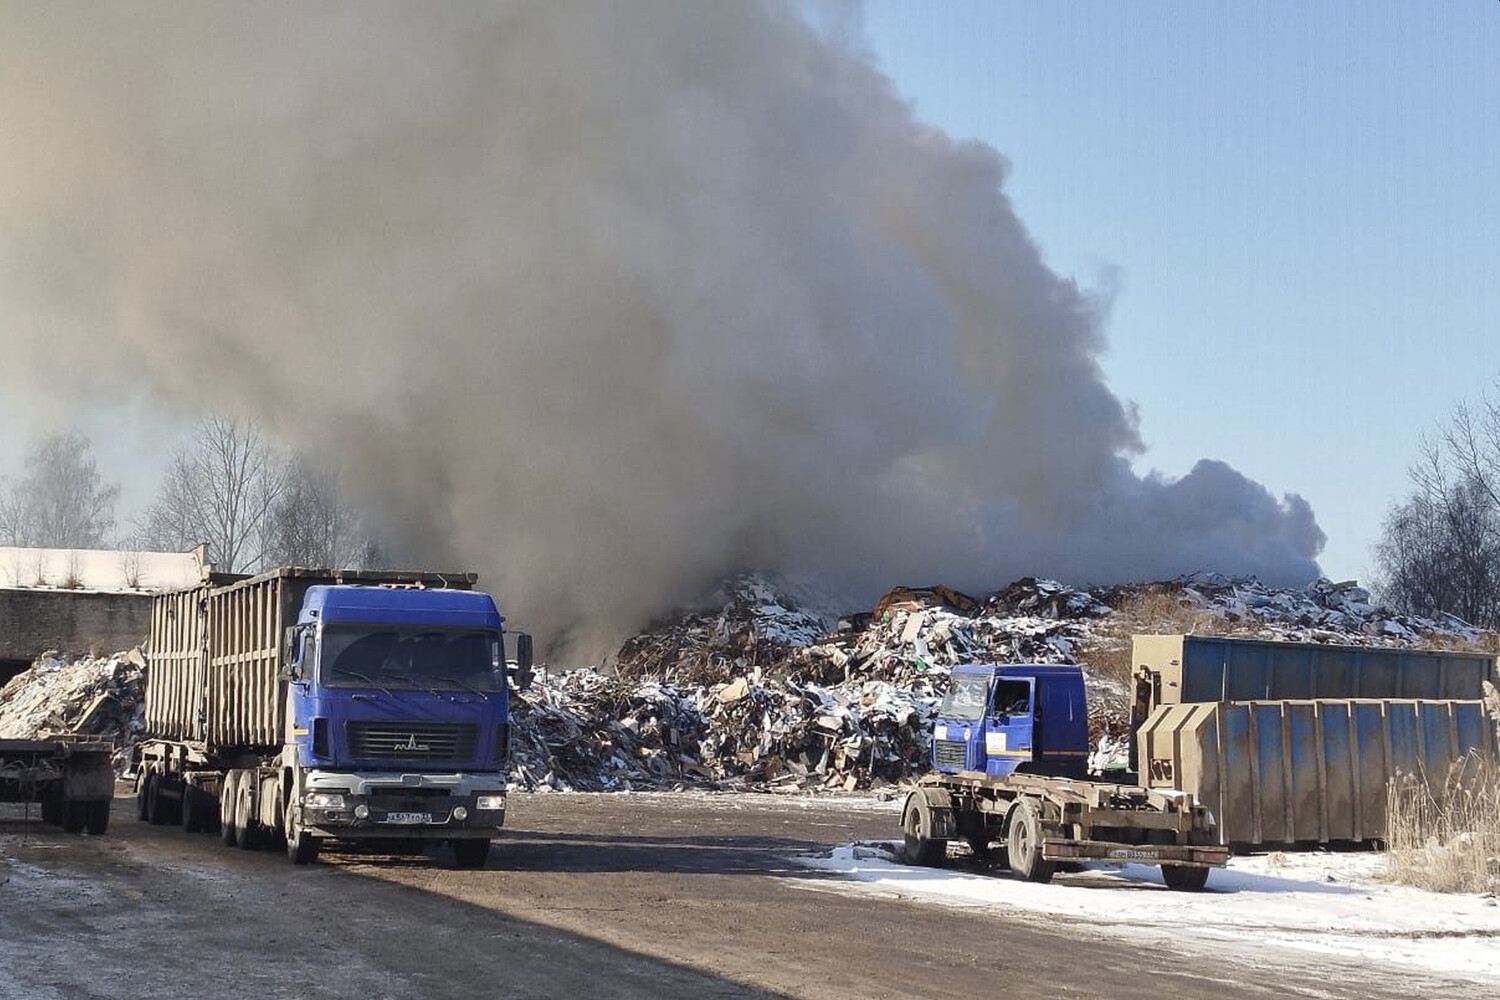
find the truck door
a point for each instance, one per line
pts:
(1008, 724)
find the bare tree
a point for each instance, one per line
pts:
(220, 490)
(1440, 548)
(60, 503)
(311, 524)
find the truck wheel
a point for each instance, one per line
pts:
(1183, 878)
(246, 828)
(471, 853)
(193, 809)
(301, 847)
(1024, 844)
(96, 817)
(72, 818)
(228, 795)
(921, 847)
(142, 787)
(158, 807)
(52, 810)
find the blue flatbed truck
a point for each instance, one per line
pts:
(1009, 757)
(305, 707)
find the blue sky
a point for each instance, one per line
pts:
(1297, 206)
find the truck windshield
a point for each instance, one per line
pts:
(966, 697)
(429, 659)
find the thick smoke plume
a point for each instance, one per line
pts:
(605, 300)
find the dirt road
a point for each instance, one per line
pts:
(589, 896)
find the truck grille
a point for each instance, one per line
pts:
(411, 740)
(951, 753)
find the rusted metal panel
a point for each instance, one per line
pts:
(215, 652)
(1302, 772)
(1195, 668)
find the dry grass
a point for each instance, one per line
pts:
(1162, 611)
(1446, 839)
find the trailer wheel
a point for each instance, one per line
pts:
(1183, 878)
(142, 788)
(156, 803)
(1024, 844)
(52, 810)
(228, 795)
(72, 817)
(96, 817)
(246, 829)
(921, 847)
(193, 810)
(471, 853)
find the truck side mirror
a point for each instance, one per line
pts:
(524, 672)
(289, 650)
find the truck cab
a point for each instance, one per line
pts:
(999, 719)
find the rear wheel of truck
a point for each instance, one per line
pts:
(246, 830)
(228, 795)
(52, 810)
(1183, 878)
(1024, 844)
(194, 809)
(471, 853)
(142, 787)
(158, 806)
(96, 817)
(921, 847)
(72, 818)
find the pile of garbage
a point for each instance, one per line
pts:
(90, 695)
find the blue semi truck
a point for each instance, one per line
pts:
(303, 707)
(1009, 755)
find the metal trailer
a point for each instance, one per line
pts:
(223, 756)
(1303, 773)
(1177, 669)
(71, 777)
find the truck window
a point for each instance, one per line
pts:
(424, 658)
(966, 697)
(1012, 697)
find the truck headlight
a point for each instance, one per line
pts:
(490, 802)
(323, 800)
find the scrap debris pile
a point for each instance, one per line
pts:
(761, 692)
(770, 691)
(91, 696)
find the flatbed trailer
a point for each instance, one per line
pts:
(69, 777)
(1038, 821)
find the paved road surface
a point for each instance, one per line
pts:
(589, 896)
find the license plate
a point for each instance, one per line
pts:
(409, 819)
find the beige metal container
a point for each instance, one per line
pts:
(1278, 773)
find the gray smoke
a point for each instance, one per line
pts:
(605, 300)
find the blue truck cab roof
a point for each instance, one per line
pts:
(1053, 670)
(353, 604)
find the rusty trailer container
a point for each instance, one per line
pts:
(215, 653)
(1195, 668)
(1301, 773)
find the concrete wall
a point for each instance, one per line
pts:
(34, 621)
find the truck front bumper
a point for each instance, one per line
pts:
(1186, 855)
(406, 806)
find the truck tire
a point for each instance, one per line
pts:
(471, 853)
(72, 817)
(920, 846)
(1024, 844)
(228, 795)
(194, 809)
(246, 828)
(159, 810)
(142, 786)
(301, 847)
(52, 810)
(1183, 878)
(96, 817)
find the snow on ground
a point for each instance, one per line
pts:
(1335, 904)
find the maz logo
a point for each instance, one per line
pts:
(411, 744)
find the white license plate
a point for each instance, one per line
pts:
(410, 819)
